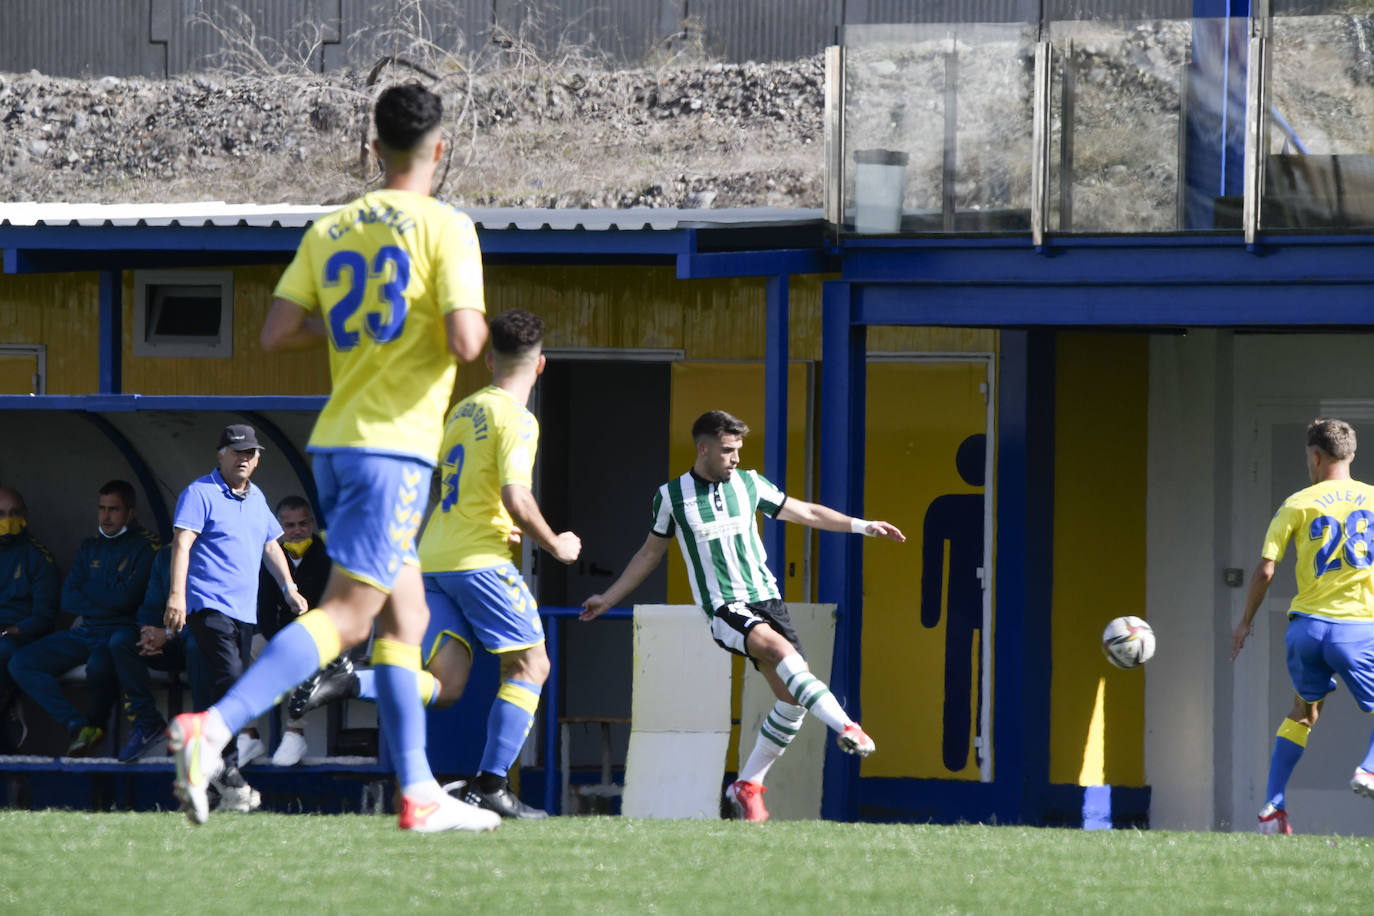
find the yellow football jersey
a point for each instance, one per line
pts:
(489, 442)
(1332, 527)
(383, 271)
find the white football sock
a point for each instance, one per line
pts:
(778, 730)
(811, 694)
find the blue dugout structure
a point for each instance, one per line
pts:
(1204, 274)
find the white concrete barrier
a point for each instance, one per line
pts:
(680, 716)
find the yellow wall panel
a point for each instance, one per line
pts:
(61, 311)
(931, 340)
(919, 413)
(16, 374)
(249, 371)
(649, 307)
(1099, 555)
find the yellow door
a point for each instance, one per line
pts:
(738, 388)
(923, 681)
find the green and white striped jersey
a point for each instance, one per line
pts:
(716, 528)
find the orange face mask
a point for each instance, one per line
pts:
(12, 525)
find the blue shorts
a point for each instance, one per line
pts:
(1319, 649)
(372, 507)
(491, 606)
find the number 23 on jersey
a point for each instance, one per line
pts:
(377, 288)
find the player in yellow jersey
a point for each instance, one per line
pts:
(396, 280)
(1331, 620)
(475, 593)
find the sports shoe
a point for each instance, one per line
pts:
(242, 799)
(250, 748)
(503, 802)
(853, 741)
(84, 741)
(1362, 783)
(1274, 821)
(290, 751)
(141, 740)
(335, 681)
(747, 797)
(443, 812)
(197, 757)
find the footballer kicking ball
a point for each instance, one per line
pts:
(1128, 642)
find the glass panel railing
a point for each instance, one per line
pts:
(1118, 97)
(1319, 154)
(937, 128)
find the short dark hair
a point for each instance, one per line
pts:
(515, 331)
(405, 113)
(18, 498)
(123, 489)
(718, 423)
(294, 502)
(1335, 437)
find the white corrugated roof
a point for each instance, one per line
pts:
(219, 213)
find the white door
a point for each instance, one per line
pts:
(1277, 395)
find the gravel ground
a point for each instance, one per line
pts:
(534, 136)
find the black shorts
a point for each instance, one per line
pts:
(731, 623)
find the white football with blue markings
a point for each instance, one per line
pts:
(1128, 642)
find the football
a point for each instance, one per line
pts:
(1128, 642)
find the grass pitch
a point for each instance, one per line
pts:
(70, 862)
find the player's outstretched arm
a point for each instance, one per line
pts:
(645, 561)
(1254, 597)
(288, 327)
(814, 515)
(522, 506)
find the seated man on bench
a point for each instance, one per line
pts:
(104, 588)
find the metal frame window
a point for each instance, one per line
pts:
(181, 313)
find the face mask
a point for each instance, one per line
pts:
(12, 525)
(297, 549)
(111, 536)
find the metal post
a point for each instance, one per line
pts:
(1040, 146)
(109, 378)
(1067, 113)
(1256, 106)
(552, 701)
(950, 162)
(775, 416)
(834, 137)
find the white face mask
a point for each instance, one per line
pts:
(111, 536)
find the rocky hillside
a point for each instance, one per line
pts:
(532, 136)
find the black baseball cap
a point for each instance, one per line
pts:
(240, 437)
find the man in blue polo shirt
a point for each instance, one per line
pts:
(223, 531)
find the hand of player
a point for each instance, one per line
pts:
(513, 539)
(1238, 636)
(594, 607)
(174, 617)
(566, 547)
(887, 530)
